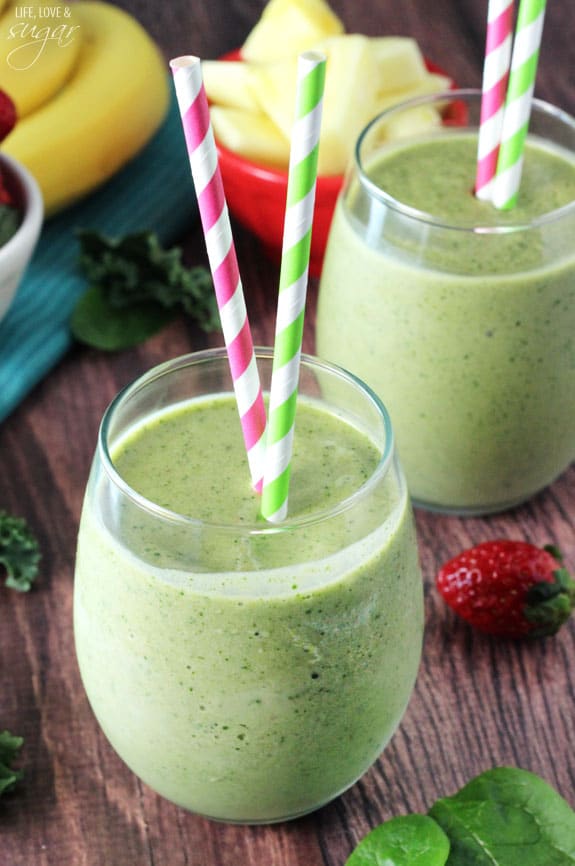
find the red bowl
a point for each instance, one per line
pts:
(256, 196)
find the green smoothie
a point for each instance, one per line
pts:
(243, 672)
(468, 336)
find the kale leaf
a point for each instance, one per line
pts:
(136, 287)
(9, 748)
(19, 552)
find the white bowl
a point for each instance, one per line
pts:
(15, 255)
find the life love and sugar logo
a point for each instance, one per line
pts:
(32, 29)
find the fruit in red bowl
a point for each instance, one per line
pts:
(21, 212)
(256, 189)
(256, 196)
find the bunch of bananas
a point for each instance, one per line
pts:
(90, 89)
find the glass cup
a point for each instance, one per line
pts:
(246, 671)
(460, 316)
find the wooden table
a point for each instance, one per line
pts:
(478, 702)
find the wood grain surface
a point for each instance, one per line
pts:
(478, 702)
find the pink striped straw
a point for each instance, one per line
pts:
(495, 76)
(193, 104)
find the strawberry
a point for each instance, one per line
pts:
(5, 194)
(509, 588)
(7, 115)
(7, 122)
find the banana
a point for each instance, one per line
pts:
(110, 107)
(37, 54)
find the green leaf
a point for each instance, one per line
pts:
(9, 222)
(19, 552)
(409, 840)
(97, 323)
(507, 817)
(134, 270)
(9, 748)
(554, 551)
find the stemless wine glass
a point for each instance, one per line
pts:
(246, 671)
(460, 316)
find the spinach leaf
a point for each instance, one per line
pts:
(409, 840)
(9, 222)
(98, 323)
(507, 817)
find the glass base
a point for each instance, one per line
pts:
(477, 510)
(262, 822)
(471, 510)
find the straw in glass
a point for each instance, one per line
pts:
(215, 220)
(494, 87)
(302, 174)
(517, 111)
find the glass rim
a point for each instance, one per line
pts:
(539, 105)
(247, 529)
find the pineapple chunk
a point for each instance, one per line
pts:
(251, 135)
(400, 63)
(411, 122)
(274, 88)
(229, 83)
(432, 83)
(288, 27)
(349, 97)
(253, 101)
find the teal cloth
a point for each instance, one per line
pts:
(153, 192)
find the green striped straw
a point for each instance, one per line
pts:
(302, 176)
(517, 110)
